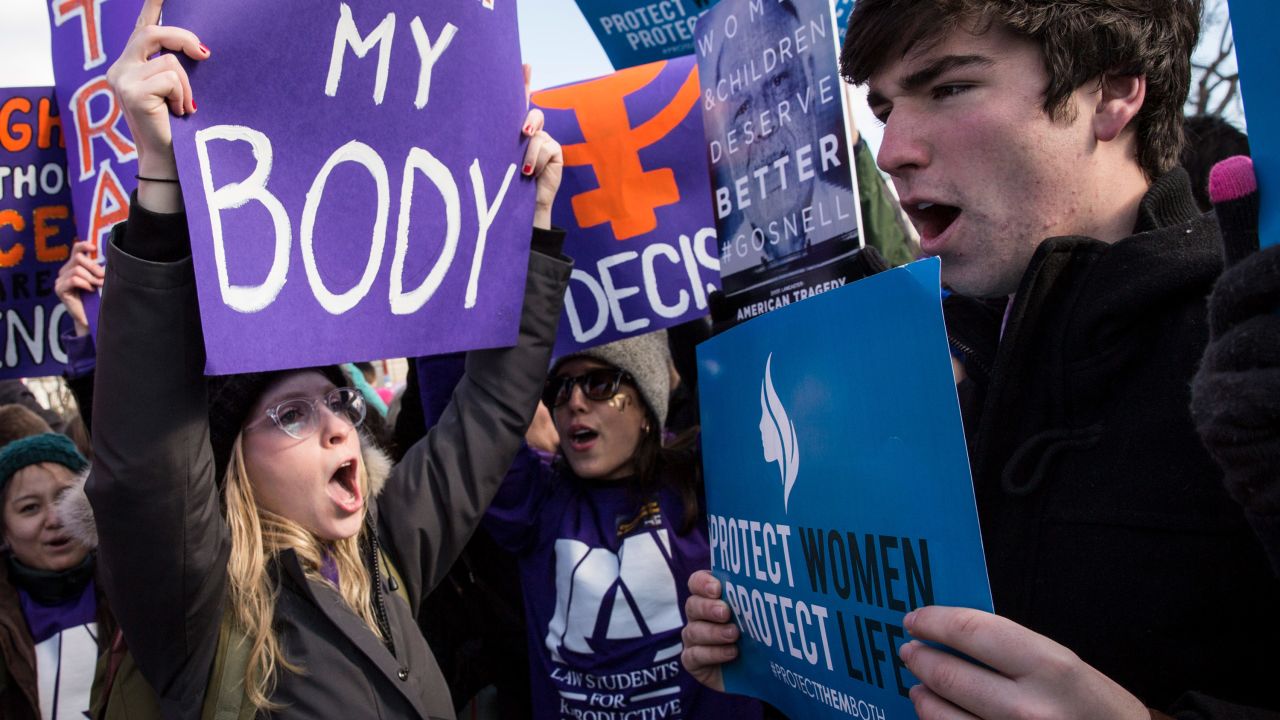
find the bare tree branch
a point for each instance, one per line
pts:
(1229, 96)
(1214, 86)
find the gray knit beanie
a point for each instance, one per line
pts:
(645, 358)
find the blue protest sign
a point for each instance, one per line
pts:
(1258, 57)
(635, 200)
(637, 32)
(842, 9)
(36, 233)
(782, 173)
(837, 502)
(364, 193)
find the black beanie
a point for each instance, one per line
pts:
(231, 398)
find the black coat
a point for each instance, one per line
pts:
(164, 543)
(1105, 522)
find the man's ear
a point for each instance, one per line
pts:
(1120, 98)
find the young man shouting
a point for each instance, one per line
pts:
(1035, 145)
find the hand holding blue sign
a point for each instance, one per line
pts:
(855, 507)
(1026, 673)
(1023, 669)
(710, 638)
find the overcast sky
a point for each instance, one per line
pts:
(554, 38)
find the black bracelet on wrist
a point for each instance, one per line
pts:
(155, 179)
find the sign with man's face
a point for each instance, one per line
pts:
(783, 185)
(359, 195)
(36, 233)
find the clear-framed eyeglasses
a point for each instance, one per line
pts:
(299, 418)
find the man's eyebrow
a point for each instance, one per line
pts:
(930, 72)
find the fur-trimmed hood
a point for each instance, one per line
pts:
(376, 463)
(76, 513)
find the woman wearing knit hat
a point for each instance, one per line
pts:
(54, 626)
(261, 555)
(605, 533)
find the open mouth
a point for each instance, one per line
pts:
(581, 439)
(344, 487)
(931, 219)
(58, 544)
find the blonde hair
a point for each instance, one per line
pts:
(257, 537)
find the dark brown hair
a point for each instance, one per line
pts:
(1081, 41)
(17, 422)
(675, 466)
(79, 434)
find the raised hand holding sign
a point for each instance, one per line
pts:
(292, 176)
(150, 86)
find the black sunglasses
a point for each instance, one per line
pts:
(599, 384)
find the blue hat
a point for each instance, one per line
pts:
(36, 449)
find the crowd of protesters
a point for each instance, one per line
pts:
(299, 544)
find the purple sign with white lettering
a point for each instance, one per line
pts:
(87, 36)
(356, 195)
(636, 201)
(36, 234)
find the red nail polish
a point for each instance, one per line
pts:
(193, 104)
(204, 49)
(528, 129)
(528, 169)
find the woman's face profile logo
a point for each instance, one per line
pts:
(778, 434)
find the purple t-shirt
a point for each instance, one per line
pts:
(604, 587)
